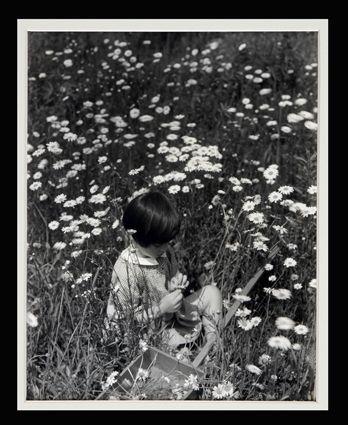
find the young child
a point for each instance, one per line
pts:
(146, 281)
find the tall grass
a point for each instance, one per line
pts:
(72, 351)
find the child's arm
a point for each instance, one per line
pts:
(125, 298)
(168, 304)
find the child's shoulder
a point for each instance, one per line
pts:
(124, 268)
(124, 259)
(125, 255)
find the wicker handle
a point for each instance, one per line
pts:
(202, 354)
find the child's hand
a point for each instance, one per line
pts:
(171, 303)
(179, 281)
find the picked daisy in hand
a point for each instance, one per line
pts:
(179, 281)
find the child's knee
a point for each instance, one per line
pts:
(212, 312)
(213, 295)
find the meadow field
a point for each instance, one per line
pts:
(225, 124)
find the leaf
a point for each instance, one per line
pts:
(36, 392)
(67, 370)
(299, 158)
(47, 92)
(313, 157)
(291, 221)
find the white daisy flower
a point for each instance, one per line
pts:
(301, 329)
(289, 262)
(279, 342)
(284, 323)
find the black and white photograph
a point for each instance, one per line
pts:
(171, 220)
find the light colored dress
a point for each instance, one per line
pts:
(138, 283)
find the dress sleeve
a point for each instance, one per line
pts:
(124, 295)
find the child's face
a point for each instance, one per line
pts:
(154, 250)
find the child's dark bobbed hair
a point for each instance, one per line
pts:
(153, 217)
